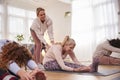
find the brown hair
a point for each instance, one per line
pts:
(14, 52)
(38, 10)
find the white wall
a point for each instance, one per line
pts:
(62, 25)
(54, 9)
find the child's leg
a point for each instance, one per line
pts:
(108, 60)
(114, 61)
(104, 60)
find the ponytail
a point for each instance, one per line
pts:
(65, 40)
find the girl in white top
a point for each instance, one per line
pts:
(54, 58)
(38, 28)
(105, 49)
(13, 58)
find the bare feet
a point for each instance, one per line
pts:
(83, 69)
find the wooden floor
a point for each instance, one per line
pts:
(70, 76)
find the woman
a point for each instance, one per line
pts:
(38, 28)
(54, 58)
(13, 58)
(105, 49)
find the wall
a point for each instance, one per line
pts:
(54, 9)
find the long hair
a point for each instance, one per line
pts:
(68, 41)
(114, 42)
(14, 52)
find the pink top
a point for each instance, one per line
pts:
(40, 28)
(55, 53)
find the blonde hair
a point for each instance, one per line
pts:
(38, 10)
(68, 41)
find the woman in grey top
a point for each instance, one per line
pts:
(104, 50)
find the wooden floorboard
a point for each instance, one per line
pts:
(66, 76)
(69, 76)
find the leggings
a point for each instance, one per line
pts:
(54, 66)
(5, 75)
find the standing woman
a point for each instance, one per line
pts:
(38, 28)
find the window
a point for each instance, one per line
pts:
(19, 22)
(105, 20)
(0, 21)
(92, 22)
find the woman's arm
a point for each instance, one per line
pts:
(13, 67)
(32, 64)
(50, 30)
(58, 57)
(73, 57)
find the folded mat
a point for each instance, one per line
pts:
(103, 70)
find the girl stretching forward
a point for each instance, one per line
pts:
(104, 51)
(54, 58)
(13, 58)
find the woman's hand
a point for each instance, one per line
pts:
(47, 47)
(35, 71)
(24, 75)
(82, 69)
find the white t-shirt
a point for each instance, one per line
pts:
(40, 28)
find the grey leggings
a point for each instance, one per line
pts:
(54, 66)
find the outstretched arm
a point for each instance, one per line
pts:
(13, 67)
(58, 57)
(73, 57)
(50, 30)
(32, 64)
(36, 72)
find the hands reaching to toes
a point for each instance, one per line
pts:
(83, 69)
